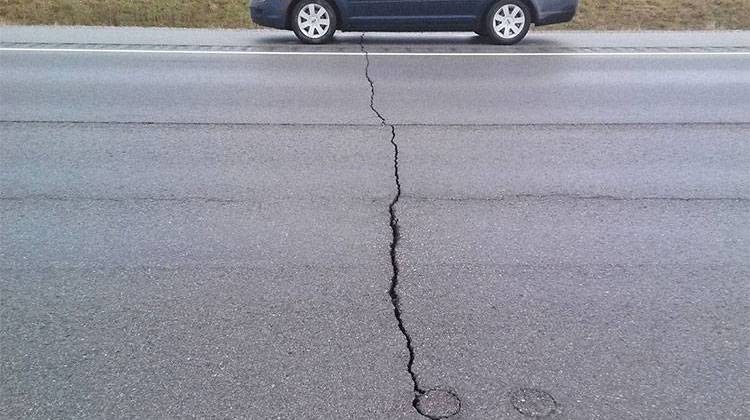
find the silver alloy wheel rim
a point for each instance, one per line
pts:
(313, 20)
(509, 21)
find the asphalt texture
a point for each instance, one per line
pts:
(374, 236)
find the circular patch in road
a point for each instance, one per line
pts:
(533, 402)
(438, 404)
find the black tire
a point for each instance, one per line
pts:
(305, 35)
(511, 33)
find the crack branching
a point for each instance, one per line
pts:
(393, 290)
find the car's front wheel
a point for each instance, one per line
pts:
(508, 22)
(314, 21)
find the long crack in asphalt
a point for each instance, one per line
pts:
(393, 290)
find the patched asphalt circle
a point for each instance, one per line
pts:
(438, 404)
(533, 402)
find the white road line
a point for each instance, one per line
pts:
(387, 54)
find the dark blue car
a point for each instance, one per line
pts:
(502, 21)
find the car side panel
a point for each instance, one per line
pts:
(412, 14)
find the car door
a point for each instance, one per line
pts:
(412, 14)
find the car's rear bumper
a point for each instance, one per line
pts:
(556, 11)
(271, 13)
(552, 18)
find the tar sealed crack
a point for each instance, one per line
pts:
(393, 290)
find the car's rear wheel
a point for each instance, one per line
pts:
(507, 22)
(314, 21)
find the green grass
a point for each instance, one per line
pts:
(662, 14)
(176, 13)
(593, 14)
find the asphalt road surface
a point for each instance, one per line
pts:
(220, 223)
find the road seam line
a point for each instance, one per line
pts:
(405, 125)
